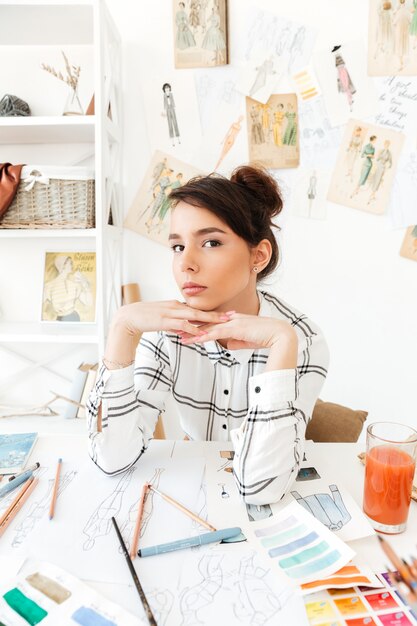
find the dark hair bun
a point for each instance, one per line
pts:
(262, 185)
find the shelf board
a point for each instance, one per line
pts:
(47, 332)
(24, 233)
(47, 129)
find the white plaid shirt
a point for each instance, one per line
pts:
(221, 395)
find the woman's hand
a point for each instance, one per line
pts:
(252, 331)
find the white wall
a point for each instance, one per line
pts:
(344, 272)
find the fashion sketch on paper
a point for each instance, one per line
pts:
(413, 25)
(382, 163)
(229, 139)
(184, 38)
(277, 125)
(170, 114)
(194, 17)
(329, 509)
(368, 154)
(157, 210)
(353, 151)
(402, 23)
(262, 72)
(214, 39)
(257, 134)
(385, 30)
(290, 134)
(344, 81)
(312, 191)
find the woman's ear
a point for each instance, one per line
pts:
(261, 254)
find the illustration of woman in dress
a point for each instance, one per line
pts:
(385, 30)
(368, 154)
(413, 24)
(159, 195)
(262, 72)
(185, 38)
(344, 82)
(214, 38)
(353, 150)
(229, 139)
(312, 191)
(383, 162)
(257, 135)
(290, 135)
(277, 125)
(169, 113)
(63, 293)
(402, 22)
(194, 14)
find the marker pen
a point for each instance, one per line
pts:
(189, 542)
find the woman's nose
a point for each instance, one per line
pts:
(188, 262)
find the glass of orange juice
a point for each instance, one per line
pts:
(389, 471)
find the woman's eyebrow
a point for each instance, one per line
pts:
(201, 231)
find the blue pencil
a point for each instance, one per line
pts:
(9, 486)
(199, 540)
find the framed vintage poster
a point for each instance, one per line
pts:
(149, 213)
(273, 131)
(69, 287)
(200, 33)
(365, 167)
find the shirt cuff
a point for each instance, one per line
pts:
(275, 387)
(114, 380)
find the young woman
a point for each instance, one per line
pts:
(240, 363)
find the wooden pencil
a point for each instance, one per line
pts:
(18, 505)
(55, 490)
(16, 499)
(136, 533)
(183, 509)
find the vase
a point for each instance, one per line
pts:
(72, 103)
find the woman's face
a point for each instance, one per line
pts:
(212, 265)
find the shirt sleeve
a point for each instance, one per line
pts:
(269, 445)
(131, 400)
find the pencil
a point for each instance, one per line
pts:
(15, 510)
(398, 564)
(183, 509)
(136, 533)
(132, 571)
(55, 491)
(16, 499)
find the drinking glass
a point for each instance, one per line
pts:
(389, 471)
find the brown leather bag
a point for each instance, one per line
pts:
(9, 182)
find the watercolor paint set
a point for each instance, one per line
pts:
(359, 606)
(44, 594)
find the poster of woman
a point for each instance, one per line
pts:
(69, 287)
(392, 38)
(365, 167)
(200, 33)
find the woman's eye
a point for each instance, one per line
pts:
(177, 248)
(211, 243)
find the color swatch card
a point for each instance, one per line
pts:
(299, 545)
(43, 593)
(359, 606)
(348, 576)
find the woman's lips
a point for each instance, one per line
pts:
(193, 290)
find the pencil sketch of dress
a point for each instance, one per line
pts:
(184, 38)
(194, 599)
(330, 510)
(367, 154)
(290, 135)
(194, 14)
(385, 34)
(344, 82)
(353, 152)
(277, 125)
(214, 39)
(262, 72)
(402, 21)
(382, 163)
(257, 135)
(169, 108)
(312, 191)
(257, 602)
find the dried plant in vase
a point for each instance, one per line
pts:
(73, 104)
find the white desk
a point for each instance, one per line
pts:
(337, 460)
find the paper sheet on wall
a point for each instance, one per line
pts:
(80, 537)
(402, 208)
(42, 592)
(319, 141)
(298, 544)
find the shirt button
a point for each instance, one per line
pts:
(225, 426)
(226, 392)
(257, 389)
(228, 354)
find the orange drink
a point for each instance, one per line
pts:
(389, 472)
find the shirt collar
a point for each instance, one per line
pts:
(215, 351)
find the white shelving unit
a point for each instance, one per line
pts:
(63, 23)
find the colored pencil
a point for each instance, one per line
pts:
(55, 490)
(136, 533)
(16, 499)
(398, 564)
(13, 484)
(134, 575)
(183, 509)
(18, 505)
(32, 468)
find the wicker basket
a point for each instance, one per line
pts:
(52, 197)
